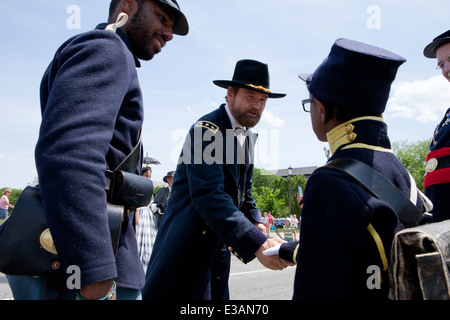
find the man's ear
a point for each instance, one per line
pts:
(230, 94)
(125, 6)
(321, 111)
(128, 6)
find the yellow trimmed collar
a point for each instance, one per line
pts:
(343, 134)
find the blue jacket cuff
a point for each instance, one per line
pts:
(255, 215)
(248, 245)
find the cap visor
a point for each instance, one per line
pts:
(304, 76)
(181, 26)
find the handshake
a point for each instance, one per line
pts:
(276, 254)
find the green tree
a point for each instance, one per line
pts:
(413, 156)
(283, 185)
(271, 189)
(268, 199)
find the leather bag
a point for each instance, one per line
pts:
(26, 244)
(420, 261)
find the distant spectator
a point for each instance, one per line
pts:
(290, 235)
(4, 204)
(270, 222)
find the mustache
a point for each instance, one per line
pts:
(247, 121)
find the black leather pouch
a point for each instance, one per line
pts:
(130, 190)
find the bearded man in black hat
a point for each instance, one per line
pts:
(211, 202)
(437, 178)
(345, 229)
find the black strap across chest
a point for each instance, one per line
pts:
(408, 213)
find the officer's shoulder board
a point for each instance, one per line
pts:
(208, 125)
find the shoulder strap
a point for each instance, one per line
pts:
(408, 213)
(130, 163)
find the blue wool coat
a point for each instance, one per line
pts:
(336, 248)
(92, 113)
(203, 212)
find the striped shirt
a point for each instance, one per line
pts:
(288, 232)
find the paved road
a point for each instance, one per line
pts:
(5, 291)
(250, 281)
(247, 282)
(254, 282)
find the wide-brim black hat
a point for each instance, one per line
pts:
(430, 50)
(181, 26)
(251, 75)
(168, 175)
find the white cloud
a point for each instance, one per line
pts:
(272, 119)
(422, 100)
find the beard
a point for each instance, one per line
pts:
(138, 36)
(244, 119)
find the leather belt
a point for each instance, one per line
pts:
(438, 163)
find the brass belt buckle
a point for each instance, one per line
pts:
(431, 165)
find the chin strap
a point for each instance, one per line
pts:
(122, 19)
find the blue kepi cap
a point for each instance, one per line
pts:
(354, 76)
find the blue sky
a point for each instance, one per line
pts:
(291, 36)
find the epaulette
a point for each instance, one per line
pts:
(208, 125)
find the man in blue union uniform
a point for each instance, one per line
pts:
(211, 203)
(92, 114)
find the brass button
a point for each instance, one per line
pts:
(348, 128)
(351, 137)
(431, 165)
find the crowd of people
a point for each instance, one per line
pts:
(180, 245)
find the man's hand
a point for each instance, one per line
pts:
(261, 227)
(271, 262)
(299, 198)
(98, 291)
